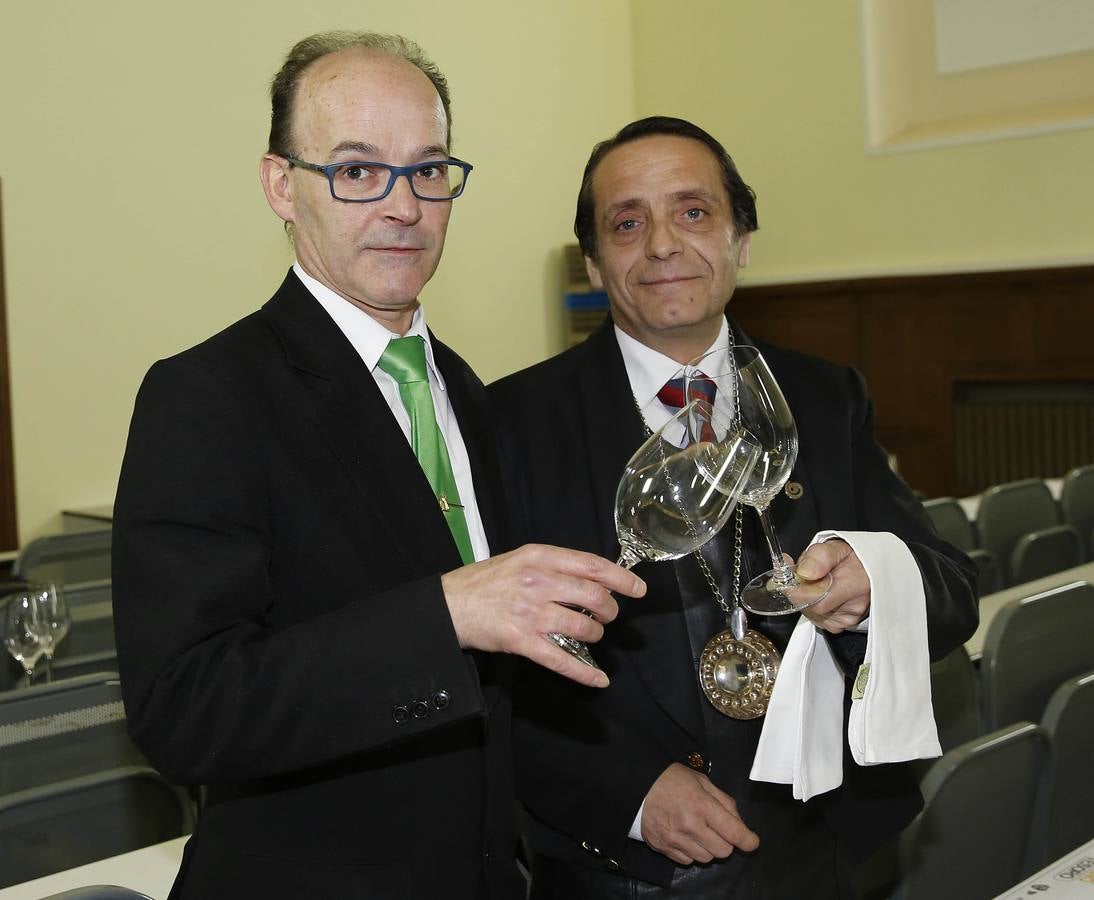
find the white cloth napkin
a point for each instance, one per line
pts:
(891, 719)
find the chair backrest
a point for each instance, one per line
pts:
(79, 665)
(955, 700)
(88, 593)
(988, 572)
(1068, 815)
(979, 799)
(1033, 645)
(1045, 552)
(56, 731)
(1007, 511)
(80, 820)
(92, 628)
(1077, 504)
(951, 523)
(65, 558)
(99, 892)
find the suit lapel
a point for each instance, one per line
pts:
(645, 627)
(350, 412)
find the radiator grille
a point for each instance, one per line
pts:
(1007, 432)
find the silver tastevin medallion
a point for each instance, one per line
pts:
(738, 674)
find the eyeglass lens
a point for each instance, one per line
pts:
(431, 181)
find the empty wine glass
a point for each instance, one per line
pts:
(746, 384)
(26, 630)
(677, 491)
(58, 617)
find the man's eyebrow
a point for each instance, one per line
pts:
(610, 211)
(369, 153)
(696, 193)
(367, 150)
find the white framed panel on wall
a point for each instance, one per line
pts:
(941, 72)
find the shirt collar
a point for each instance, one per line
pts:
(368, 337)
(648, 370)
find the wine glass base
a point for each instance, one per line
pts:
(575, 648)
(764, 596)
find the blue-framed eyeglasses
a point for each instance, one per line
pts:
(438, 180)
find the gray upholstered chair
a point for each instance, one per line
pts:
(972, 838)
(70, 823)
(1008, 511)
(1068, 811)
(65, 558)
(1032, 646)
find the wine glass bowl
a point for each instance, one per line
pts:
(677, 491)
(26, 629)
(747, 387)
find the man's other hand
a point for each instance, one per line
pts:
(686, 818)
(848, 602)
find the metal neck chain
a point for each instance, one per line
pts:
(739, 513)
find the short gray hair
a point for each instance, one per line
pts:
(305, 52)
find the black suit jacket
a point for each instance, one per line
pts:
(282, 633)
(585, 759)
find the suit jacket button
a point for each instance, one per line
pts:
(441, 700)
(400, 715)
(419, 709)
(613, 865)
(595, 851)
(696, 761)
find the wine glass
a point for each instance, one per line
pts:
(26, 630)
(58, 617)
(677, 491)
(746, 384)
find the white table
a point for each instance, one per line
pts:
(150, 870)
(1069, 878)
(990, 604)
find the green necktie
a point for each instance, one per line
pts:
(404, 360)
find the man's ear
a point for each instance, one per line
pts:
(593, 271)
(744, 250)
(273, 171)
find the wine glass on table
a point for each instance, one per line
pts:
(746, 385)
(677, 491)
(57, 616)
(26, 630)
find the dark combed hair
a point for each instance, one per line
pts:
(742, 198)
(304, 53)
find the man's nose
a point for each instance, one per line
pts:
(662, 241)
(401, 204)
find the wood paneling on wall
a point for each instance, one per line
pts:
(915, 337)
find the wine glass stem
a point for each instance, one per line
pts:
(782, 573)
(627, 558)
(49, 668)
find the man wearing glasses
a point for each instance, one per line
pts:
(303, 531)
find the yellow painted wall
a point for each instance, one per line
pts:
(135, 224)
(781, 85)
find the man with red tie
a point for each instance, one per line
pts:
(643, 790)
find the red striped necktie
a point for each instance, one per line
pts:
(700, 387)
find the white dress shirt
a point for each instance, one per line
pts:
(648, 371)
(370, 339)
